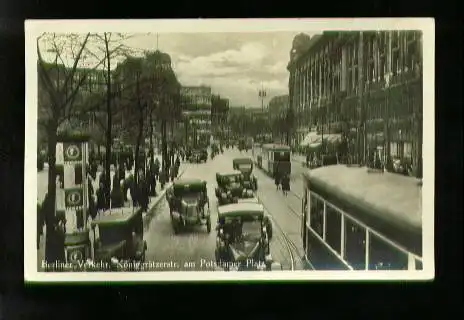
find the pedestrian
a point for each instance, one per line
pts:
(117, 198)
(142, 194)
(101, 198)
(277, 180)
(91, 197)
(286, 184)
(40, 223)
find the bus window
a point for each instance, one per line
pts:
(333, 228)
(316, 218)
(355, 244)
(384, 256)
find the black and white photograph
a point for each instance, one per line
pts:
(229, 149)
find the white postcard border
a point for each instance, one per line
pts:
(33, 28)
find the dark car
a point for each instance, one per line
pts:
(189, 204)
(229, 186)
(245, 166)
(120, 238)
(241, 242)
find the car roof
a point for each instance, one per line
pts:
(387, 195)
(248, 200)
(187, 181)
(243, 160)
(116, 216)
(275, 146)
(229, 173)
(239, 209)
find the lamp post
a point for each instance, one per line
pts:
(262, 95)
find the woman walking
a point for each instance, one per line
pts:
(286, 184)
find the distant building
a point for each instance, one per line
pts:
(196, 111)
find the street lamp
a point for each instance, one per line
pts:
(262, 95)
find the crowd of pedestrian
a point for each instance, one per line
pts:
(125, 190)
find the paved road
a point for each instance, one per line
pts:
(194, 250)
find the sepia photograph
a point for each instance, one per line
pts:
(229, 150)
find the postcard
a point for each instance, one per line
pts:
(229, 150)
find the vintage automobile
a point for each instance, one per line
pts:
(118, 238)
(229, 186)
(267, 219)
(245, 166)
(242, 243)
(189, 204)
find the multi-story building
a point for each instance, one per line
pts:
(367, 82)
(196, 111)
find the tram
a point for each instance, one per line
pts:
(272, 157)
(356, 219)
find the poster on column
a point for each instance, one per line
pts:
(301, 202)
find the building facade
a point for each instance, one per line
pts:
(365, 84)
(196, 110)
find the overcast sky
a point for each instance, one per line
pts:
(235, 65)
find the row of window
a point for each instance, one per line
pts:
(340, 70)
(357, 245)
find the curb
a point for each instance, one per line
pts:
(162, 195)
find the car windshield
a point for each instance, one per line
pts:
(244, 166)
(233, 179)
(112, 234)
(244, 228)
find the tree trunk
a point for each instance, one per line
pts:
(151, 137)
(164, 146)
(109, 125)
(54, 249)
(137, 150)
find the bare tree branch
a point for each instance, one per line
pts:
(76, 62)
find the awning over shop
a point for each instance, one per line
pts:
(309, 138)
(313, 138)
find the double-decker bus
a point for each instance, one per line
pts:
(357, 219)
(272, 158)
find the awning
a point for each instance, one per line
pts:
(313, 138)
(309, 138)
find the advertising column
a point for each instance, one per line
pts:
(72, 196)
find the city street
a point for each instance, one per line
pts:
(193, 250)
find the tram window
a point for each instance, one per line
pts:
(418, 265)
(383, 256)
(355, 244)
(316, 217)
(333, 228)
